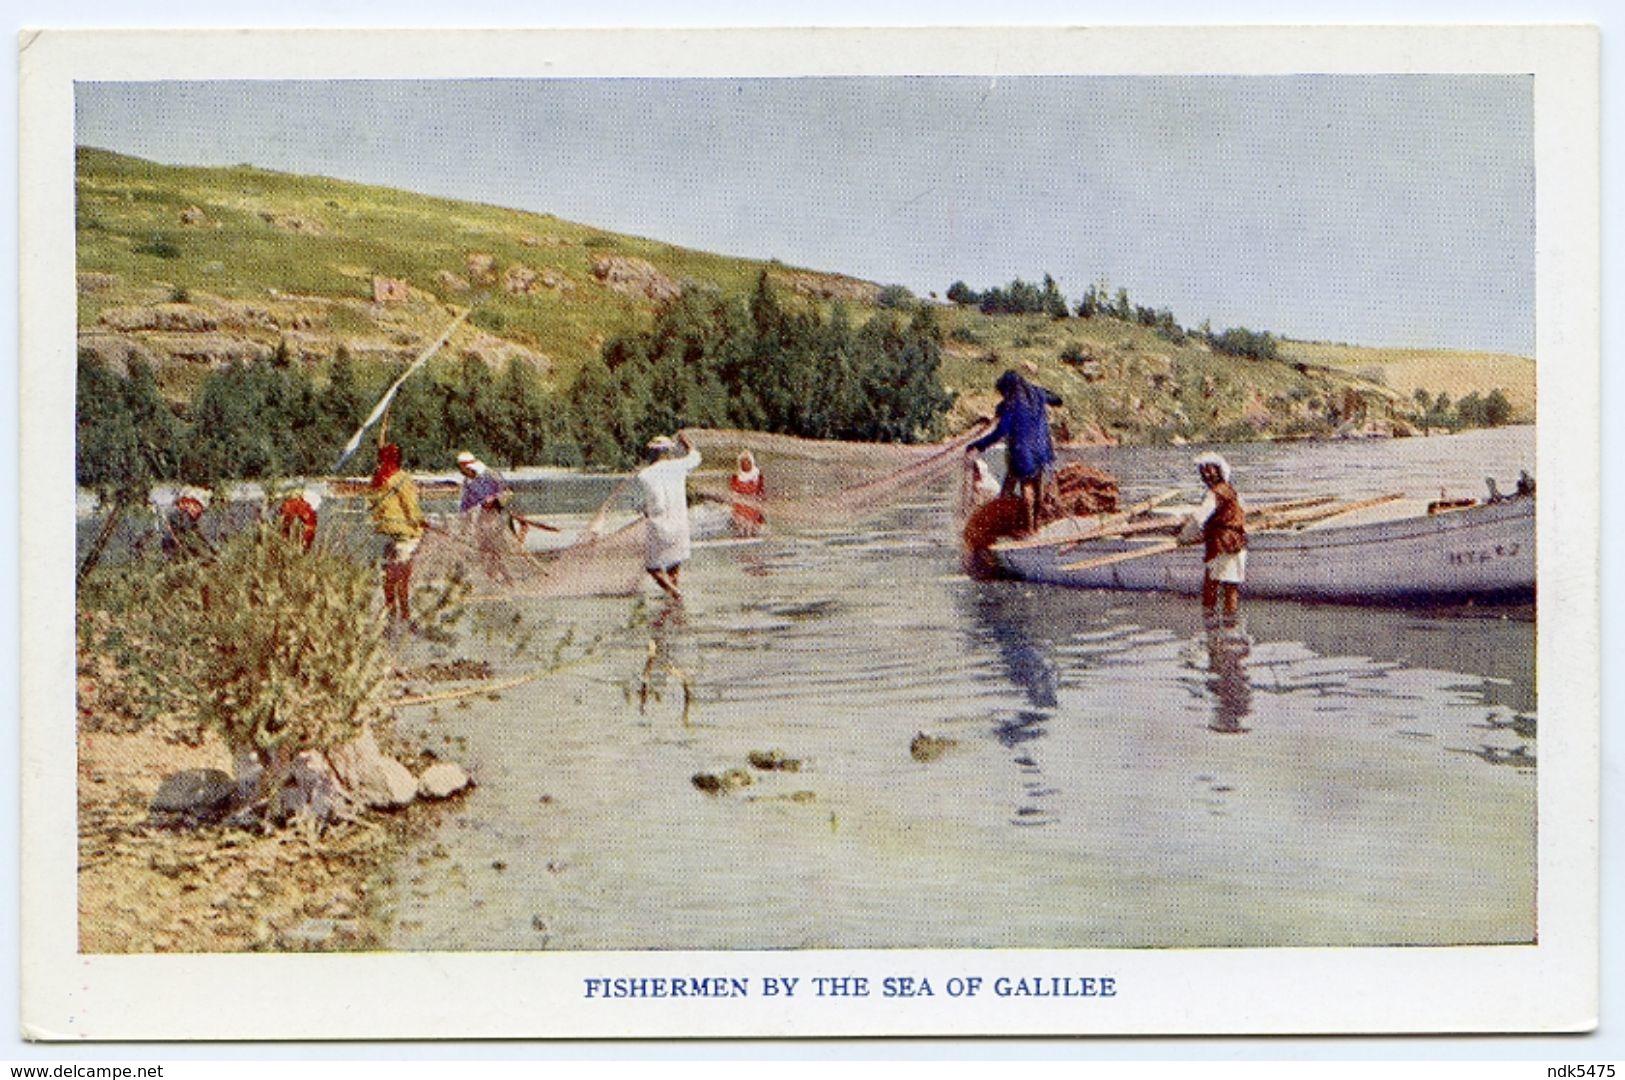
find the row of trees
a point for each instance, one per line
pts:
(1474, 410)
(1099, 302)
(709, 361)
(716, 361)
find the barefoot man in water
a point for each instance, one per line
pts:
(1221, 524)
(663, 485)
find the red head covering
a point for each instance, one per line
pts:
(389, 463)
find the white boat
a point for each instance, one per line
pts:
(1483, 552)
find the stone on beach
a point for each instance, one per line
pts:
(311, 788)
(443, 780)
(927, 748)
(374, 779)
(713, 784)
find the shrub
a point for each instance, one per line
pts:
(159, 246)
(896, 297)
(489, 319)
(277, 649)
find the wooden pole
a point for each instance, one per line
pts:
(1157, 548)
(114, 515)
(1311, 516)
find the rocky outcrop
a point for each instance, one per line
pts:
(215, 350)
(292, 223)
(481, 267)
(634, 277)
(180, 318)
(496, 352)
(519, 279)
(832, 287)
(95, 283)
(115, 351)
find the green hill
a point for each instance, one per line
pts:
(191, 268)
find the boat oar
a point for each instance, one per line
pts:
(1123, 556)
(1307, 517)
(1294, 504)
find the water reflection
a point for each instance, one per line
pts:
(1227, 650)
(1074, 665)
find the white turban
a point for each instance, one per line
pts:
(1217, 461)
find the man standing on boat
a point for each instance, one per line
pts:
(1023, 424)
(1221, 524)
(663, 485)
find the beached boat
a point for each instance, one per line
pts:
(1483, 552)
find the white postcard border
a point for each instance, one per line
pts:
(1551, 986)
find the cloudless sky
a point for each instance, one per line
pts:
(1383, 210)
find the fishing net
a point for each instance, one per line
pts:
(809, 486)
(812, 484)
(487, 551)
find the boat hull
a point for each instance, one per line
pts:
(1483, 553)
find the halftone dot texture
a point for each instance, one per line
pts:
(1378, 209)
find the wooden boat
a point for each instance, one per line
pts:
(1483, 552)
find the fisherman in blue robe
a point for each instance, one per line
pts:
(1023, 423)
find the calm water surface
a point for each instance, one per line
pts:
(1119, 774)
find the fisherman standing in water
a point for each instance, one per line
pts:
(663, 486)
(485, 506)
(1221, 524)
(397, 516)
(747, 517)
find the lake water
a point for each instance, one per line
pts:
(1113, 773)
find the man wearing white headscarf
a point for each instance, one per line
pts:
(483, 486)
(1221, 524)
(484, 504)
(663, 485)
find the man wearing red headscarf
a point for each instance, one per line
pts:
(396, 515)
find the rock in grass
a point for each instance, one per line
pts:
(443, 780)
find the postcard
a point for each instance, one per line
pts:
(771, 533)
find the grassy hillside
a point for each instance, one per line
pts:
(1407, 370)
(267, 257)
(193, 267)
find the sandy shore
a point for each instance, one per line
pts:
(145, 888)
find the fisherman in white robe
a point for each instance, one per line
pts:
(663, 486)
